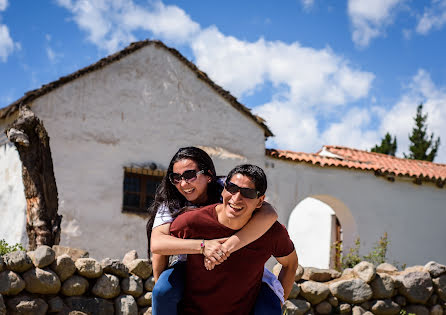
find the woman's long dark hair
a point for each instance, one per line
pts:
(167, 194)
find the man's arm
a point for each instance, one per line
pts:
(288, 273)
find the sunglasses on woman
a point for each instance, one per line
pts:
(188, 176)
(249, 193)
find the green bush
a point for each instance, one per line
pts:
(376, 256)
(6, 248)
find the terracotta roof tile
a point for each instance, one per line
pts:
(381, 164)
(34, 94)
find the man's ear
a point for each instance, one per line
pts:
(261, 199)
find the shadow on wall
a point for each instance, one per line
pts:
(315, 224)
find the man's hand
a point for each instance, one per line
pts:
(215, 253)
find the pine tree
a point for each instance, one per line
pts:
(388, 146)
(420, 141)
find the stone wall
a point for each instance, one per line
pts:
(366, 289)
(65, 281)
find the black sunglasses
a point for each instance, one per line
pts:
(245, 192)
(188, 176)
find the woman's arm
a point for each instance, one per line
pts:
(159, 264)
(258, 225)
(162, 243)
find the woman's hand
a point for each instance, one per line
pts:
(215, 251)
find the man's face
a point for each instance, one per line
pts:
(236, 206)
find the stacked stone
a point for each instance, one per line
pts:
(49, 281)
(365, 289)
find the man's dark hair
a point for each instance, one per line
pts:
(255, 173)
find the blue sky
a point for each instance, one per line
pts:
(320, 72)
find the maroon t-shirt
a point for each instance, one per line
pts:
(231, 287)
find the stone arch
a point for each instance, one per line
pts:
(315, 224)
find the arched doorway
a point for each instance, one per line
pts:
(316, 225)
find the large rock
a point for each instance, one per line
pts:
(126, 305)
(316, 274)
(43, 256)
(27, 305)
(73, 253)
(107, 287)
(358, 310)
(2, 305)
(440, 286)
(296, 307)
(55, 305)
(140, 267)
(435, 269)
(149, 284)
(382, 286)
(385, 307)
(333, 301)
(345, 308)
(353, 291)
(416, 286)
(129, 257)
(295, 290)
(132, 285)
(88, 268)
(42, 281)
(400, 300)
(74, 286)
(386, 268)
(299, 273)
(145, 299)
(87, 305)
(365, 271)
(417, 309)
(11, 283)
(324, 308)
(2, 264)
(115, 267)
(314, 292)
(436, 310)
(64, 267)
(17, 261)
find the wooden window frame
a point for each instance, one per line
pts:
(145, 175)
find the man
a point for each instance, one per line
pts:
(232, 287)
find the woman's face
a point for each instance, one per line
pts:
(194, 190)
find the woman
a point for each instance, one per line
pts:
(191, 182)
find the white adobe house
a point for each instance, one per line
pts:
(114, 126)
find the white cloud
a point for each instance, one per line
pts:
(370, 18)
(399, 120)
(307, 4)
(110, 24)
(3, 5)
(433, 17)
(6, 43)
(52, 55)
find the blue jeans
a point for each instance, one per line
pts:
(168, 292)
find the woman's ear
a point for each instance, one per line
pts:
(260, 203)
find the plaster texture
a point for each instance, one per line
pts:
(12, 197)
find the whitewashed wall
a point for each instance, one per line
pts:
(12, 197)
(139, 109)
(367, 206)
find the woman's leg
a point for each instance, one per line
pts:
(168, 290)
(267, 303)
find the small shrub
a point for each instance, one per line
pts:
(376, 256)
(6, 248)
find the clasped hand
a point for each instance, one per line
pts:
(215, 252)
